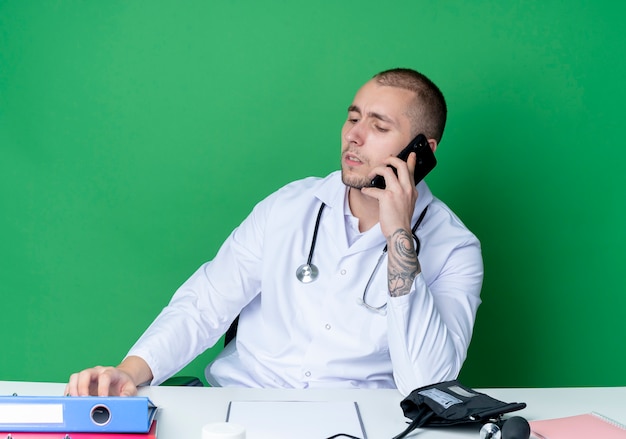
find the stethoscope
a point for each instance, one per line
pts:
(307, 273)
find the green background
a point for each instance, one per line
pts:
(135, 135)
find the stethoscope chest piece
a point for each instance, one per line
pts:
(307, 273)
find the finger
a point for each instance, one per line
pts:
(104, 383)
(411, 164)
(128, 389)
(404, 169)
(70, 388)
(384, 171)
(83, 382)
(88, 381)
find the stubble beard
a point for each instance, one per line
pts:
(355, 182)
(352, 181)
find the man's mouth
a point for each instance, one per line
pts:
(351, 158)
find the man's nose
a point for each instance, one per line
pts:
(354, 134)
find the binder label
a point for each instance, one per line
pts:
(31, 414)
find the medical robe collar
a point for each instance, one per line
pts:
(334, 199)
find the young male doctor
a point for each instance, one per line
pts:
(325, 273)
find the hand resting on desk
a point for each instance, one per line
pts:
(110, 381)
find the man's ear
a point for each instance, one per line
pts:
(433, 144)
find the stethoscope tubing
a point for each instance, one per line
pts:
(315, 230)
(308, 272)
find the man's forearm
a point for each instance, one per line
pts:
(402, 265)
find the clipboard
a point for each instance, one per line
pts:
(297, 419)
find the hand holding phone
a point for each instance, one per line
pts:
(425, 161)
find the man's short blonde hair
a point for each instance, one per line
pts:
(428, 114)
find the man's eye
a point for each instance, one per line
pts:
(381, 129)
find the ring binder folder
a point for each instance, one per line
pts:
(152, 434)
(70, 414)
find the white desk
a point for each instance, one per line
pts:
(184, 410)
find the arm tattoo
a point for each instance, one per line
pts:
(402, 266)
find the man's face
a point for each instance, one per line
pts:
(377, 127)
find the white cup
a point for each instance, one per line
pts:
(223, 430)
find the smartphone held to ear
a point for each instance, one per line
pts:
(425, 162)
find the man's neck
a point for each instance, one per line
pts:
(364, 208)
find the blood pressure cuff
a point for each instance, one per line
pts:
(450, 403)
